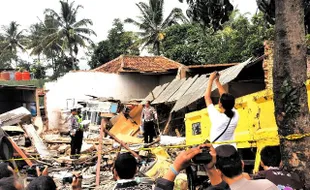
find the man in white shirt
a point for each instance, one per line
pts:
(224, 122)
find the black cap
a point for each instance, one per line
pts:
(225, 150)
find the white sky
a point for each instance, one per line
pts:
(101, 12)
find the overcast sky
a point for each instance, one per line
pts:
(101, 12)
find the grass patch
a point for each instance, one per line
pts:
(39, 83)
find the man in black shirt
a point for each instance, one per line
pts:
(270, 162)
(125, 169)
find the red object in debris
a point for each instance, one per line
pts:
(5, 75)
(25, 75)
(18, 76)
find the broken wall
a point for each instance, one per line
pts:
(74, 86)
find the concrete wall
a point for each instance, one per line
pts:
(14, 98)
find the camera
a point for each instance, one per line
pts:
(204, 157)
(69, 179)
(32, 171)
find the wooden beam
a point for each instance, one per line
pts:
(122, 144)
(102, 128)
(166, 130)
(20, 152)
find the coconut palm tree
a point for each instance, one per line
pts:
(68, 31)
(12, 40)
(152, 23)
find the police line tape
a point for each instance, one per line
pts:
(291, 137)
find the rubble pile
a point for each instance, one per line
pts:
(33, 146)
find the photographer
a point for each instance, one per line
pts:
(224, 122)
(225, 168)
(45, 182)
(183, 161)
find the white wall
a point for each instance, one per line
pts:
(75, 85)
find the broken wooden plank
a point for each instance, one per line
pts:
(15, 116)
(37, 141)
(122, 144)
(102, 128)
(20, 152)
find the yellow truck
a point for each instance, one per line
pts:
(256, 128)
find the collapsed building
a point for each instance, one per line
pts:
(173, 88)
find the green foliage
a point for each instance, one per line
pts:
(210, 13)
(11, 40)
(239, 40)
(152, 23)
(290, 98)
(268, 8)
(119, 42)
(60, 34)
(38, 70)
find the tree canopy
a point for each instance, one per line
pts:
(117, 43)
(152, 23)
(239, 40)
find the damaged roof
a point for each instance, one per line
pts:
(138, 64)
(186, 92)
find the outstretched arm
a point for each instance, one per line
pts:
(219, 86)
(209, 87)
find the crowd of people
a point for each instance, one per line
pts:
(10, 181)
(225, 169)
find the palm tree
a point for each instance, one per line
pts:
(68, 33)
(152, 23)
(12, 40)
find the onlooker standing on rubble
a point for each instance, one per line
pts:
(270, 162)
(148, 119)
(125, 169)
(76, 133)
(224, 122)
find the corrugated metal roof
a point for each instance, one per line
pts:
(169, 91)
(183, 89)
(156, 92)
(194, 93)
(185, 92)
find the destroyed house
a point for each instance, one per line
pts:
(124, 78)
(181, 96)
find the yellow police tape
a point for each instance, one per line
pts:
(291, 137)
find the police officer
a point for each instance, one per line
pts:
(76, 133)
(148, 120)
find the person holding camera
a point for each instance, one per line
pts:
(184, 160)
(224, 169)
(224, 122)
(45, 182)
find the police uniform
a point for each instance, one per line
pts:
(76, 134)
